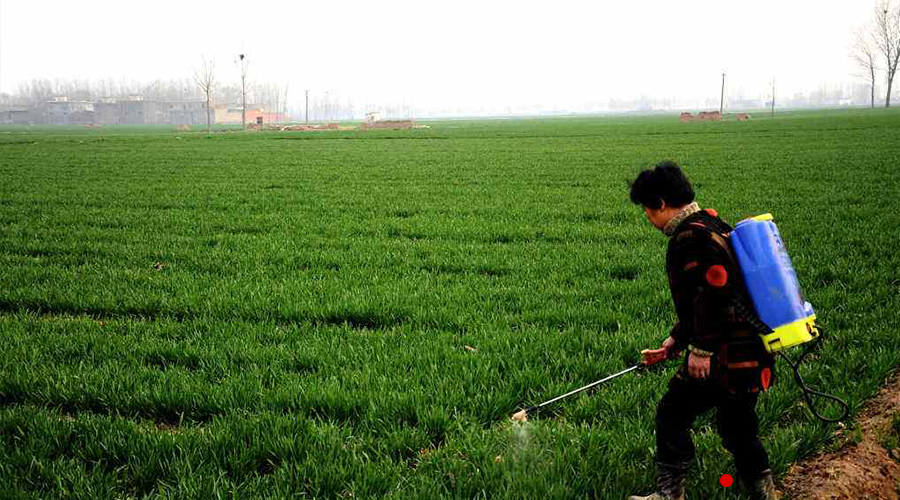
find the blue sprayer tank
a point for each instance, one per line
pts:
(772, 283)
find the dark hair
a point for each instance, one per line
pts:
(666, 183)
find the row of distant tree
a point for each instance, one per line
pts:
(277, 98)
(38, 90)
(876, 48)
(204, 85)
(825, 95)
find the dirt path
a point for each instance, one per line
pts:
(858, 470)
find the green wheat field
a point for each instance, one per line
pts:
(356, 314)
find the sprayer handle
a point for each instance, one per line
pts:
(653, 356)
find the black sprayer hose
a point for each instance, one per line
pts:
(808, 392)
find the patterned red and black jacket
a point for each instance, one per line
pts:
(714, 311)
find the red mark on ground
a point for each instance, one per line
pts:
(726, 480)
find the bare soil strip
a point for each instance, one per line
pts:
(863, 468)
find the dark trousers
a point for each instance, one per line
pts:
(736, 422)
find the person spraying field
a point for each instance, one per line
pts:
(726, 365)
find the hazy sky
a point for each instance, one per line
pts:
(456, 52)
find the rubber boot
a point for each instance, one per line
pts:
(669, 483)
(763, 487)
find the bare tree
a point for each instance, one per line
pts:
(205, 78)
(229, 92)
(274, 93)
(152, 91)
(244, 64)
(887, 38)
(36, 91)
(863, 53)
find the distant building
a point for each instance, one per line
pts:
(16, 116)
(745, 103)
(135, 111)
(107, 112)
(127, 112)
(186, 112)
(139, 112)
(225, 114)
(132, 110)
(62, 111)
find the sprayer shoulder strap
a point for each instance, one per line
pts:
(715, 230)
(720, 235)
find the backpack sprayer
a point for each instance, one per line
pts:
(785, 319)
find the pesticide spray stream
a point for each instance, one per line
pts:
(525, 456)
(522, 457)
(522, 434)
(520, 441)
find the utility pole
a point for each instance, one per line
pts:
(722, 101)
(306, 114)
(243, 91)
(773, 98)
